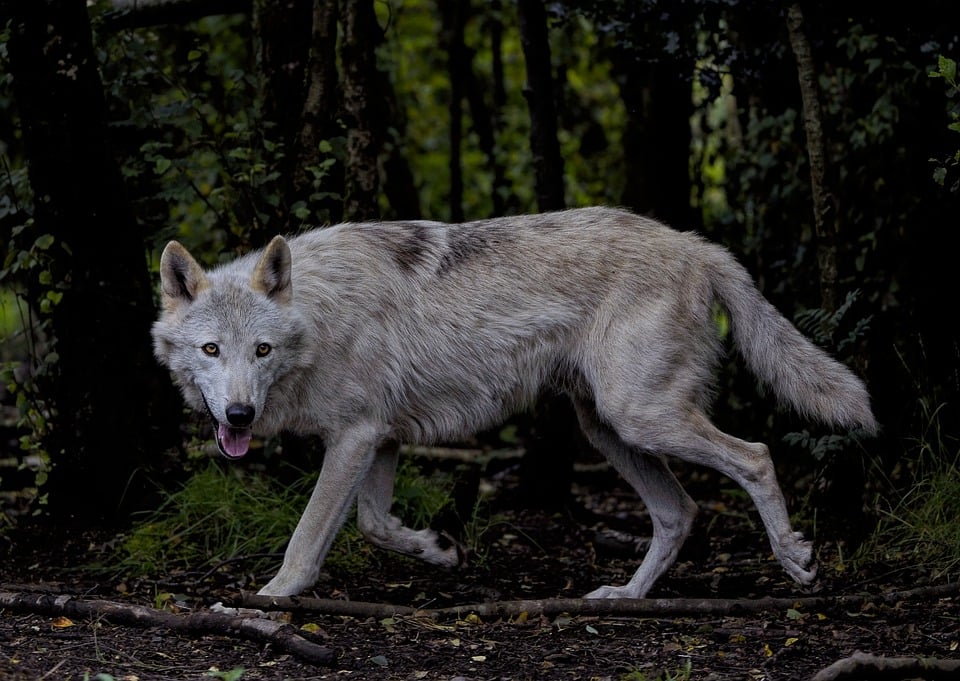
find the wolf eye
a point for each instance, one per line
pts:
(263, 349)
(210, 349)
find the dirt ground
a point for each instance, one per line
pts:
(524, 554)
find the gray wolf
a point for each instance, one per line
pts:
(377, 333)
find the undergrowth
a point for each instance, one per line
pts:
(225, 513)
(918, 527)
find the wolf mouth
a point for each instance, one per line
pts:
(232, 441)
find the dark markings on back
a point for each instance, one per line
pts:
(408, 246)
(471, 240)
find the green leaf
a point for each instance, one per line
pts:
(948, 68)
(162, 165)
(44, 241)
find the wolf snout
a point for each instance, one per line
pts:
(240, 415)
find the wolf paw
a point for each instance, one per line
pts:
(797, 559)
(614, 592)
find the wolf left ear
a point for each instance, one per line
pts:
(272, 273)
(181, 277)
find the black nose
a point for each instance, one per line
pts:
(240, 415)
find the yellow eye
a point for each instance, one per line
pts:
(210, 349)
(263, 349)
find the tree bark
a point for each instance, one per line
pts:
(322, 196)
(454, 17)
(539, 93)
(364, 110)
(547, 469)
(282, 40)
(825, 213)
(659, 103)
(112, 402)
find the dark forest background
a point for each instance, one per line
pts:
(817, 140)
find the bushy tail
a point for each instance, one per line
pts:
(801, 374)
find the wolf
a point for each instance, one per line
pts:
(373, 334)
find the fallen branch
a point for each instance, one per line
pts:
(864, 666)
(641, 607)
(282, 636)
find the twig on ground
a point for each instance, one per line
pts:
(865, 666)
(278, 634)
(644, 607)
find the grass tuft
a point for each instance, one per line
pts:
(227, 513)
(920, 527)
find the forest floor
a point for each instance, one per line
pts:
(712, 628)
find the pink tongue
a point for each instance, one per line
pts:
(234, 441)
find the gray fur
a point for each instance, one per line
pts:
(369, 334)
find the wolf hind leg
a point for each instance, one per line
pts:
(671, 509)
(387, 531)
(693, 438)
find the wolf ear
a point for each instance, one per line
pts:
(272, 273)
(181, 278)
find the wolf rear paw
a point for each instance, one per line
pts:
(797, 559)
(614, 592)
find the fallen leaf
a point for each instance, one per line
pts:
(379, 660)
(790, 641)
(62, 623)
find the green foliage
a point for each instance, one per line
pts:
(220, 513)
(419, 499)
(945, 170)
(591, 106)
(228, 512)
(234, 674)
(682, 673)
(918, 526)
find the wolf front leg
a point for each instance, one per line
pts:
(387, 531)
(345, 465)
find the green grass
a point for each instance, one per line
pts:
(219, 514)
(227, 513)
(918, 527)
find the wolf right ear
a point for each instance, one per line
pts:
(181, 277)
(272, 273)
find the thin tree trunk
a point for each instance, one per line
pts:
(825, 213)
(282, 41)
(364, 111)
(547, 469)
(318, 123)
(453, 13)
(539, 93)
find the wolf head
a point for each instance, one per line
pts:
(230, 337)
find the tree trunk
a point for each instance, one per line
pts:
(539, 93)
(364, 110)
(454, 18)
(547, 468)
(659, 102)
(112, 401)
(825, 213)
(317, 176)
(282, 41)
